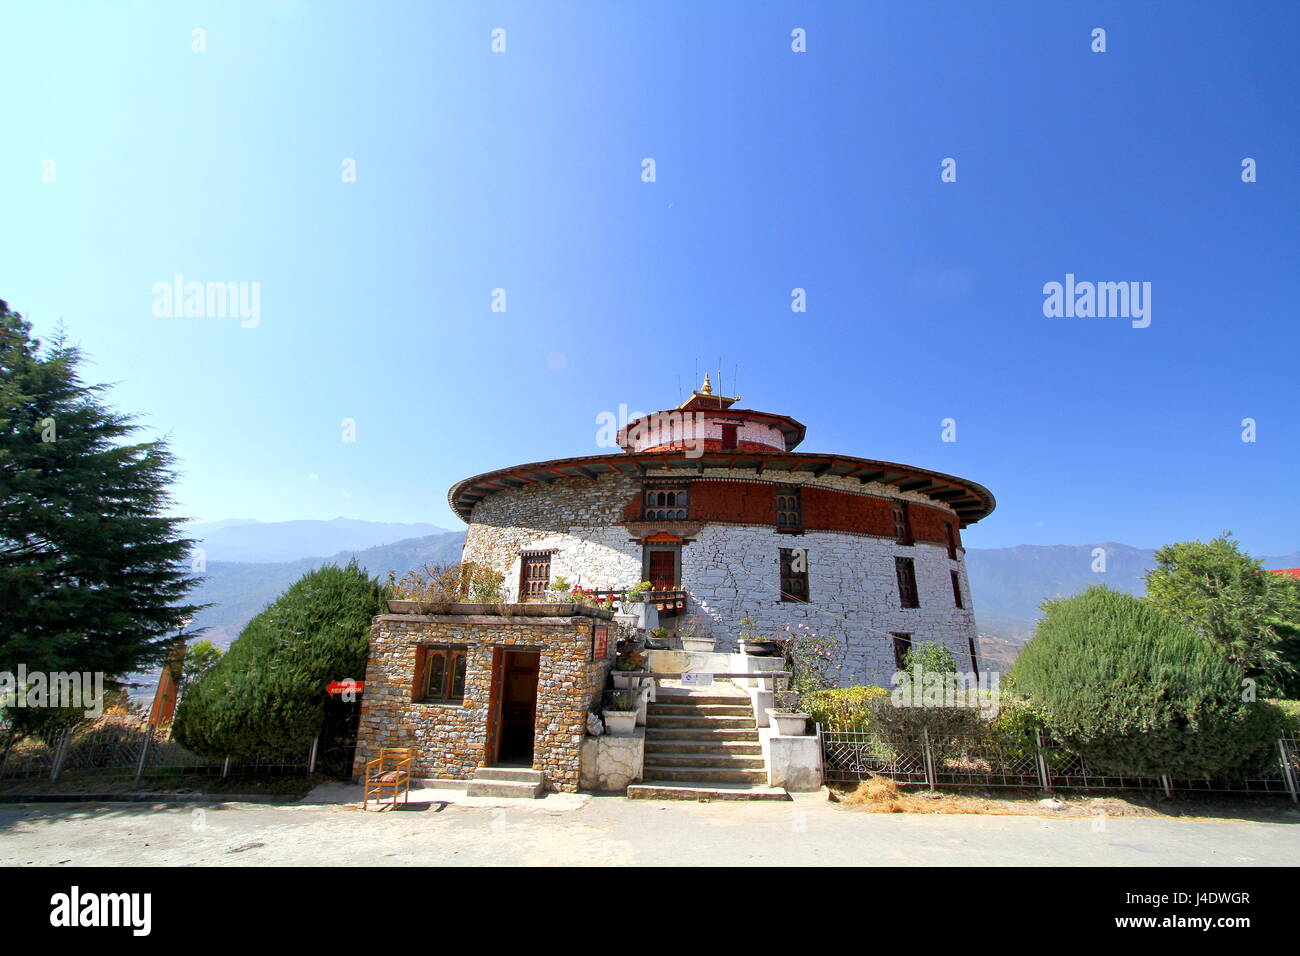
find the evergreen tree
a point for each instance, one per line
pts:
(91, 573)
(1229, 600)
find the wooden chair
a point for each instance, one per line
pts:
(389, 773)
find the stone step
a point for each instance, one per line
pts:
(703, 775)
(741, 700)
(668, 790)
(701, 723)
(702, 745)
(438, 783)
(510, 774)
(700, 710)
(690, 761)
(700, 735)
(505, 788)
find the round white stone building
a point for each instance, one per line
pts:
(712, 504)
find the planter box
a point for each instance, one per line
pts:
(619, 723)
(788, 724)
(499, 610)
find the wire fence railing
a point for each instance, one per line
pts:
(850, 755)
(118, 750)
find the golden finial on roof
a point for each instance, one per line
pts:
(706, 389)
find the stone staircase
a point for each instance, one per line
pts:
(703, 745)
(506, 782)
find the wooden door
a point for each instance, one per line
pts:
(663, 570)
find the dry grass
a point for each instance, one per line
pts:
(882, 795)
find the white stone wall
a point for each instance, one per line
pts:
(733, 571)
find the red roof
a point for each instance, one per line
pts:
(1289, 572)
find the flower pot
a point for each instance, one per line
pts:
(788, 724)
(619, 723)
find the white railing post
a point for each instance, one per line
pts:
(930, 775)
(311, 758)
(60, 755)
(144, 753)
(1044, 778)
(1288, 772)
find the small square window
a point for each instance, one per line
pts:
(902, 523)
(534, 577)
(789, 509)
(729, 440)
(440, 674)
(665, 503)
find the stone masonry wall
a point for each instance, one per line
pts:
(450, 740)
(732, 570)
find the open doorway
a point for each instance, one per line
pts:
(516, 706)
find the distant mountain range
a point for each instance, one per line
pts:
(250, 563)
(1008, 584)
(244, 539)
(238, 590)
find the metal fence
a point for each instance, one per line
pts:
(130, 750)
(850, 755)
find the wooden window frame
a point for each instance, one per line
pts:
(956, 590)
(455, 657)
(902, 523)
(730, 437)
(908, 593)
(792, 581)
(789, 505)
(526, 559)
(951, 535)
(902, 644)
(675, 506)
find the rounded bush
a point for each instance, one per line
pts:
(266, 695)
(1135, 692)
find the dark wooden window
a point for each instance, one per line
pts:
(902, 523)
(440, 674)
(729, 436)
(906, 570)
(902, 644)
(956, 589)
(974, 660)
(534, 576)
(794, 574)
(789, 512)
(952, 540)
(665, 503)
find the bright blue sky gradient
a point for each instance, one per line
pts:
(775, 170)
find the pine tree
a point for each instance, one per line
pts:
(92, 575)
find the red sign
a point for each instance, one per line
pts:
(344, 686)
(600, 642)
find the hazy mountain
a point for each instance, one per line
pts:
(244, 539)
(238, 590)
(1008, 584)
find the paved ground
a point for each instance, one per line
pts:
(575, 830)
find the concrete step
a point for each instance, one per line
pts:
(689, 761)
(701, 723)
(504, 788)
(703, 774)
(506, 782)
(700, 710)
(702, 745)
(668, 697)
(510, 774)
(701, 735)
(669, 790)
(438, 783)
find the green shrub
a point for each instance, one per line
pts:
(843, 707)
(266, 695)
(1135, 692)
(932, 659)
(1289, 711)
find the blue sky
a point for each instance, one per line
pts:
(775, 170)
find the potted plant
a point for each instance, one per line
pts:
(695, 635)
(785, 715)
(630, 659)
(754, 643)
(620, 713)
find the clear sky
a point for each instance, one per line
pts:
(775, 170)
